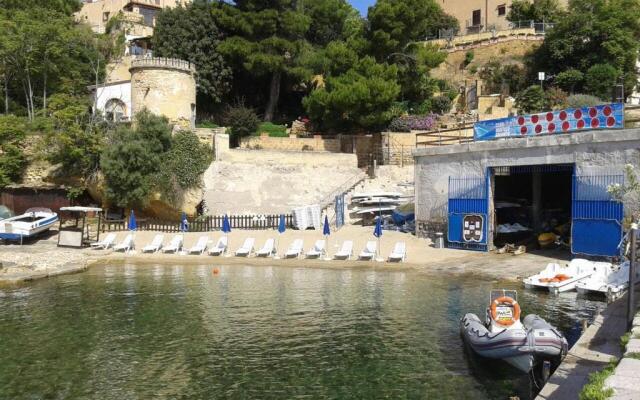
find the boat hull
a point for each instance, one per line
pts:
(521, 347)
(16, 228)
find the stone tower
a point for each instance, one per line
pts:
(165, 86)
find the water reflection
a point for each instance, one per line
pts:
(256, 332)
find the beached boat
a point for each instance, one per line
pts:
(33, 222)
(557, 279)
(503, 336)
(610, 282)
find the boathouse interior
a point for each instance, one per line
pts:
(532, 206)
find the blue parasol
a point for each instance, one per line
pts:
(226, 227)
(325, 229)
(133, 224)
(281, 225)
(184, 224)
(377, 232)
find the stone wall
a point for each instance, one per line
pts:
(165, 87)
(316, 143)
(397, 147)
(273, 157)
(592, 152)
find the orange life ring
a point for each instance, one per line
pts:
(503, 321)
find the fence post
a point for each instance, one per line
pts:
(632, 275)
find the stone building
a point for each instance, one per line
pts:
(539, 182)
(165, 86)
(480, 15)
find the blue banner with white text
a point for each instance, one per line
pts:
(607, 116)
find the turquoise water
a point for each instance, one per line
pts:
(181, 332)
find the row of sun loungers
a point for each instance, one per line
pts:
(295, 250)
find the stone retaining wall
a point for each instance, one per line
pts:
(316, 143)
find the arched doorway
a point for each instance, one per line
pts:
(115, 110)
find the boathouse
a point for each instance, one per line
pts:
(526, 180)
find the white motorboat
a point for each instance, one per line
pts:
(610, 282)
(557, 279)
(33, 222)
(503, 336)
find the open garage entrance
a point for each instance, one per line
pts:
(532, 206)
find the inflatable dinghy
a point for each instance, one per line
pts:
(521, 344)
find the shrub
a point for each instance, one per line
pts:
(206, 124)
(594, 390)
(272, 129)
(241, 120)
(413, 122)
(600, 79)
(531, 100)
(556, 98)
(583, 100)
(569, 80)
(473, 69)
(468, 57)
(441, 104)
(423, 108)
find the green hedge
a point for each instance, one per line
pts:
(272, 129)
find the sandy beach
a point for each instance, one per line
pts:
(43, 258)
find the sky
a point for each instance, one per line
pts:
(362, 5)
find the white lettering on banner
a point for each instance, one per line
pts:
(503, 129)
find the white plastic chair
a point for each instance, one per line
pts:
(126, 244)
(295, 249)
(155, 245)
(399, 252)
(318, 249)
(220, 247)
(246, 249)
(346, 251)
(105, 243)
(268, 249)
(174, 246)
(201, 246)
(369, 251)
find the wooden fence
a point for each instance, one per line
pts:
(202, 224)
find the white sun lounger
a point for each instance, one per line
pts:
(246, 249)
(105, 243)
(219, 248)
(399, 252)
(126, 244)
(268, 249)
(155, 245)
(295, 249)
(369, 251)
(346, 251)
(174, 246)
(201, 246)
(318, 249)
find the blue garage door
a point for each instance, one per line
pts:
(468, 213)
(596, 228)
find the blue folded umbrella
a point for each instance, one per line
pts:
(325, 229)
(133, 224)
(281, 225)
(377, 232)
(184, 224)
(226, 227)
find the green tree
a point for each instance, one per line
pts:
(531, 100)
(331, 20)
(593, 32)
(538, 11)
(12, 157)
(265, 39)
(67, 7)
(395, 23)
(241, 120)
(570, 80)
(359, 99)
(190, 33)
(132, 159)
(600, 80)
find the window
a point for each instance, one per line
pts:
(105, 16)
(502, 10)
(476, 18)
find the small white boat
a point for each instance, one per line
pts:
(373, 210)
(503, 336)
(373, 195)
(558, 279)
(610, 282)
(33, 222)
